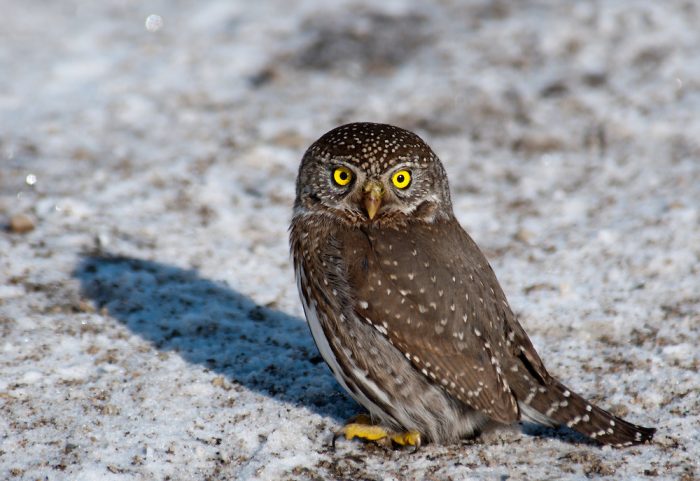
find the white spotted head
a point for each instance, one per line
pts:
(371, 172)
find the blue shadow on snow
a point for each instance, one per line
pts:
(208, 323)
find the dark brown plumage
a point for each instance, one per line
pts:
(403, 305)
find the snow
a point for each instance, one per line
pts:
(151, 327)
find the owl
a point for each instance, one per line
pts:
(406, 310)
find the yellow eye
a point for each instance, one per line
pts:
(342, 176)
(401, 179)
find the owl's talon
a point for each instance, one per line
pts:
(408, 438)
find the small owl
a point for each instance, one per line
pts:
(406, 310)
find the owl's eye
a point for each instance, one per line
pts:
(342, 176)
(401, 179)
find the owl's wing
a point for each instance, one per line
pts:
(431, 292)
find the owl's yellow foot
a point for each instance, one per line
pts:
(361, 427)
(362, 431)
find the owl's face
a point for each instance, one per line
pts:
(366, 172)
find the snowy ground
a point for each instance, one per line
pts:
(150, 323)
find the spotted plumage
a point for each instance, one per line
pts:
(405, 308)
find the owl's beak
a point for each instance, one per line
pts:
(373, 193)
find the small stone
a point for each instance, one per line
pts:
(85, 306)
(21, 224)
(524, 235)
(619, 410)
(109, 410)
(69, 447)
(537, 143)
(220, 382)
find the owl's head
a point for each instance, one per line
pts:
(366, 172)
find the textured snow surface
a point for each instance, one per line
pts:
(150, 323)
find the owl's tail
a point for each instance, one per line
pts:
(555, 404)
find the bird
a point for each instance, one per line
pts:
(405, 308)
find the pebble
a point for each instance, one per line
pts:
(21, 224)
